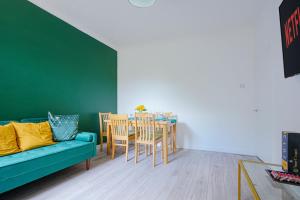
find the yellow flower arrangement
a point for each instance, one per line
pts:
(140, 108)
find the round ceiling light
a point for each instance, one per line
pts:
(142, 3)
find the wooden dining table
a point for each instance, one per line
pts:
(165, 125)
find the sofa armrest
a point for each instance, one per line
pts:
(85, 137)
(88, 137)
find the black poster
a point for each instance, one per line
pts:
(290, 33)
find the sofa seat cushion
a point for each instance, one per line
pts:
(15, 165)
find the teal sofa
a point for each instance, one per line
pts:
(24, 167)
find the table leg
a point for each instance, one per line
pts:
(165, 143)
(174, 138)
(239, 181)
(108, 142)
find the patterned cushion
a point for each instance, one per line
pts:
(64, 127)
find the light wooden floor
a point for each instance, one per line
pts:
(191, 174)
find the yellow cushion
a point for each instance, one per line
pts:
(33, 135)
(8, 140)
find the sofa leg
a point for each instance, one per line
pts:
(88, 164)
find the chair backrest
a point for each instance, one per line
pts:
(165, 116)
(102, 122)
(119, 125)
(145, 127)
(168, 114)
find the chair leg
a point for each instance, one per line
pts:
(162, 152)
(146, 149)
(101, 143)
(123, 147)
(136, 152)
(139, 149)
(174, 138)
(171, 141)
(113, 150)
(88, 164)
(127, 146)
(154, 154)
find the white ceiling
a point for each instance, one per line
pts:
(118, 24)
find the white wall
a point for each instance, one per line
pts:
(278, 99)
(208, 81)
(201, 79)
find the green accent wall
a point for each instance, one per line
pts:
(48, 65)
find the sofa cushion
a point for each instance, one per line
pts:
(64, 127)
(15, 165)
(33, 135)
(8, 140)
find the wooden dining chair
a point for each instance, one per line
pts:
(171, 135)
(120, 133)
(103, 127)
(146, 133)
